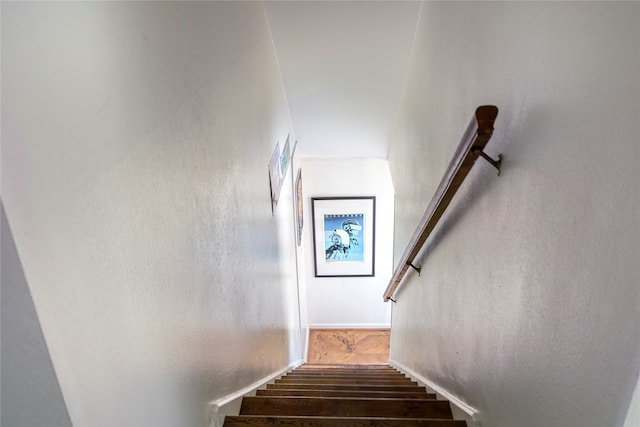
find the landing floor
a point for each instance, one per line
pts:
(348, 346)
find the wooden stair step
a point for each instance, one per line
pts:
(340, 372)
(405, 381)
(377, 387)
(346, 393)
(347, 375)
(352, 378)
(359, 368)
(347, 370)
(346, 407)
(344, 372)
(343, 366)
(257, 420)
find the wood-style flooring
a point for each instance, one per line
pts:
(348, 346)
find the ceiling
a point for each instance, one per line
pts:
(343, 65)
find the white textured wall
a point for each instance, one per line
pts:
(529, 299)
(349, 301)
(136, 137)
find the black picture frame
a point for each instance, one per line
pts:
(344, 236)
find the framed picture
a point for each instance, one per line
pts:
(284, 159)
(344, 236)
(278, 171)
(275, 180)
(298, 196)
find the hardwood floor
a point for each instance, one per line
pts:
(348, 346)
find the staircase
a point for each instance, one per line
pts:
(344, 395)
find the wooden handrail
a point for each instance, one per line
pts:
(470, 148)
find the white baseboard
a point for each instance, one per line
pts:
(472, 412)
(349, 326)
(215, 405)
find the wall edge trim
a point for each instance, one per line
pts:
(349, 326)
(453, 399)
(237, 394)
(215, 405)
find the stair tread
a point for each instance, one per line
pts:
(410, 388)
(346, 368)
(337, 399)
(346, 373)
(380, 368)
(291, 421)
(338, 377)
(345, 381)
(346, 393)
(346, 407)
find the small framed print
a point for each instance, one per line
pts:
(298, 202)
(275, 180)
(344, 236)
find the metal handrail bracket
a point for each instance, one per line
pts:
(470, 148)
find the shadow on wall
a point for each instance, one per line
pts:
(27, 373)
